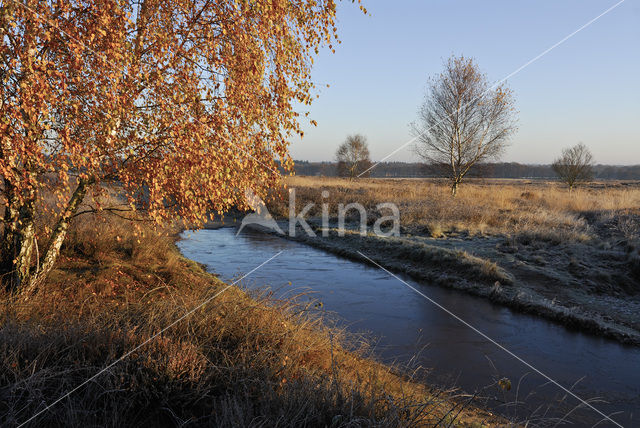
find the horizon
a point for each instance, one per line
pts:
(596, 164)
(582, 90)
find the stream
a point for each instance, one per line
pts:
(409, 330)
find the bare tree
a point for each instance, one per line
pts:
(575, 165)
(463, 121)
(353, 156)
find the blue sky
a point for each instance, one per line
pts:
(585, 90)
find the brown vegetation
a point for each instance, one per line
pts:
(238, 361)
(490, 207)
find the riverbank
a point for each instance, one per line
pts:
(529, 246)
(239, 360)
(452, 267)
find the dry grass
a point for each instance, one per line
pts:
(544, 210)
(238, 361)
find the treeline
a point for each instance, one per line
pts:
(489, 170)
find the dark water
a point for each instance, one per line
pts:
(409, 328)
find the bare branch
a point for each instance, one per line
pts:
(575, 165)
(353, 156)
(462, 121)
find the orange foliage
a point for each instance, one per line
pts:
(193, 99)
(185, 103)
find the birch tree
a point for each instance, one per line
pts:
(183, 103)
(353, 156)
(574, 166)
(463, 120)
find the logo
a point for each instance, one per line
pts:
(262, 218)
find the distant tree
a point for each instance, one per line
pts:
(463, 121)
(353, 157)
(575, 165)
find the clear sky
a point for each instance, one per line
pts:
(585, 90)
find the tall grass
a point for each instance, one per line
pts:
(482, 207)
(238, 361)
